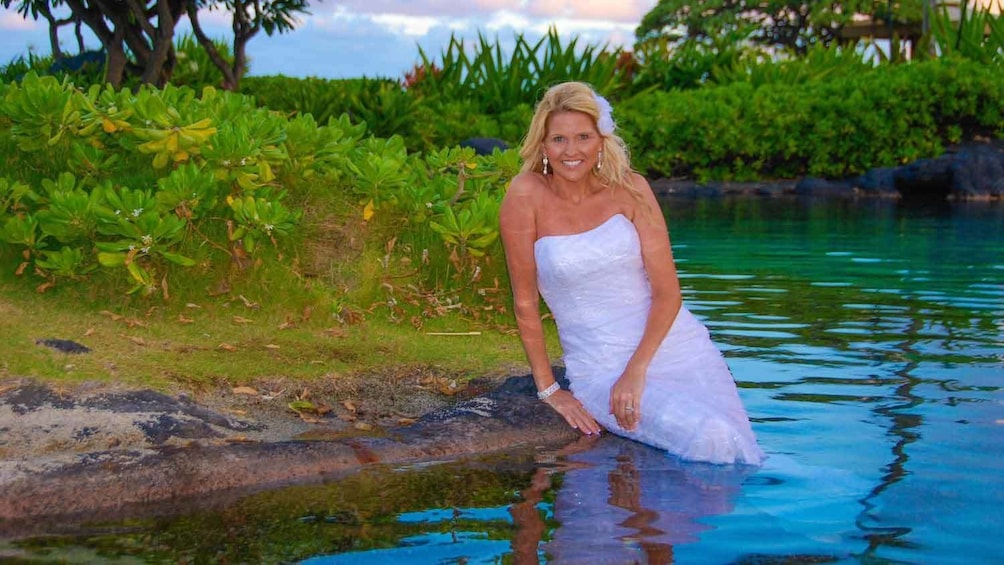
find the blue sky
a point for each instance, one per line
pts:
(381, 37)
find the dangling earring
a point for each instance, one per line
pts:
(546, 163)
(599, 160)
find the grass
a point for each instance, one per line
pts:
(225, 342)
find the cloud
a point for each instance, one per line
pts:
(459, 9)
(621, 11)
(12, 21)
(408, 25)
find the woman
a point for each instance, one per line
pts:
(582, 229)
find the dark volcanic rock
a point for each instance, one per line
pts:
(34, 396)
(151, 401)
(484, 145)
(814, 186)
(978, 172)
(972, 170)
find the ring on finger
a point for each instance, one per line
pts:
(629, 409)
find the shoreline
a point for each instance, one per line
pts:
(140, 476)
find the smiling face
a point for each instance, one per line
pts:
(572, 144)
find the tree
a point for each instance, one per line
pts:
(250, 17)
(138, 35)
(773, 23)
(41, 8)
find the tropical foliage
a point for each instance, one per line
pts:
(357, 189)
(794, 25)
(747, 130)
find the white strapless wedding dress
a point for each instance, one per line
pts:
(595, 284)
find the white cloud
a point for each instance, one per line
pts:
(629, 11)
(506, 19)
(408, 25)
(11, 20)
(624, 11)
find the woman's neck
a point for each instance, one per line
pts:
(574, 192)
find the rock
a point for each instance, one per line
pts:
(970, 171)
(977, 171)
(484, 145)
(815, 186)
(924, 179)
(973, 170)
(76, 63)
(174, 450)
(878, 182)
(63, 345)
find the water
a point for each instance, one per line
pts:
(868, 342)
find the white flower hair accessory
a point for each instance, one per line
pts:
(605, 123)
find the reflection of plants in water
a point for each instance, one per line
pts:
(904, 427)
(355, 513)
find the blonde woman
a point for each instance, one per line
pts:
(584, 231)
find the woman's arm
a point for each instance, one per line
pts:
(519, 232)
(666, 301)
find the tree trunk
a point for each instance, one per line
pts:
(231, 78)
(240, 63)
(116, 65)
(54, 25)
(79, 34)
(158, 69)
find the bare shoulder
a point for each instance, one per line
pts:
(641, 185)
(524, 192)
(525, 184)
(646, 207)
(521, 201)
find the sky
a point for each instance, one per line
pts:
(381, 38)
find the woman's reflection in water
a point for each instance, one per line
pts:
(621, 502)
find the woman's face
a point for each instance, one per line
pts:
(572, 144)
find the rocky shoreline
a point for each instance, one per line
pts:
(969, 171)
(114, 454)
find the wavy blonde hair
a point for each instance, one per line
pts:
(575, 97)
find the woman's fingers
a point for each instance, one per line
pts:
(573, 412)
(578, 418)
(626, 410)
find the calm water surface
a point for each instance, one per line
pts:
(868, 342)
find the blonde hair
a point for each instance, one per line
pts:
(615, 170)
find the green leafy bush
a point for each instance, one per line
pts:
(381, 105)
(884, 117)
(147, 182)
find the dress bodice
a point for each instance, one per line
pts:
(587, 276)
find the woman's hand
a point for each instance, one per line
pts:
(573, 412)
(625, 398)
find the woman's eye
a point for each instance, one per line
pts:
(583, 137)
(558, 138)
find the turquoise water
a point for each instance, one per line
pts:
(868, 343)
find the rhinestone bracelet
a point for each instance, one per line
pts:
(543, 394)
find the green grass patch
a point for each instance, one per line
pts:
(225, 342)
